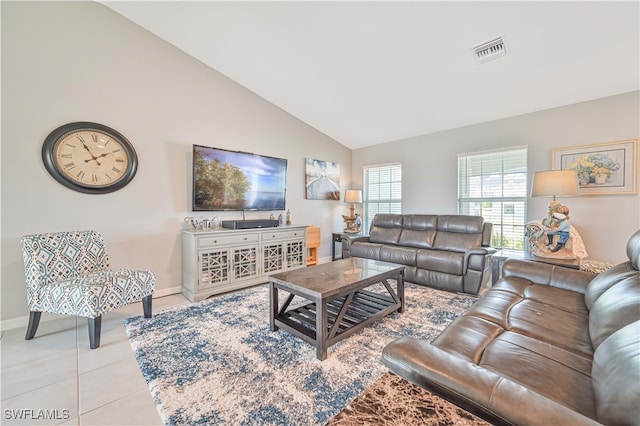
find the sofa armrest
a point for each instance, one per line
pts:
(347, 240)
(482, 392)
(547, 274)
(478, 251)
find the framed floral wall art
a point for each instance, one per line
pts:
(603, 168)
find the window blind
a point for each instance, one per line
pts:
(493, 184)
(382, 191)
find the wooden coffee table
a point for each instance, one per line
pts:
(339, 301)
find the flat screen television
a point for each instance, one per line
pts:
(235, 180)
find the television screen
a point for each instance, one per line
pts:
(234, 180)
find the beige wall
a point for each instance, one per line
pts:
(430, 165)
(80, 61)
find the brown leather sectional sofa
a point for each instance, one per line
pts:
(546, 345)
(448, 252)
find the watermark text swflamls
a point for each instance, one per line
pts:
(36, 414)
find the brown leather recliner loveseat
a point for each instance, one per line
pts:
(447, 252)
(546, 345)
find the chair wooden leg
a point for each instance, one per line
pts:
(95, 325)
(34, 321)
(146, 306)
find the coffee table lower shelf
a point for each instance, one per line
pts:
(364, 308)
(344, 316)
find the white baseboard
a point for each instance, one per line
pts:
(326, 259)
(18, 322)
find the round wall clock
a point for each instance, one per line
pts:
(89, 157)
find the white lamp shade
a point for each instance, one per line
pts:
(353, 196)
(554, 183)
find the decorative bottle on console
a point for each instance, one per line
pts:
(280, 220)
(288, 217)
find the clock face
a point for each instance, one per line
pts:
(89, 157)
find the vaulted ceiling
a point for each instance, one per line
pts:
(366, 72)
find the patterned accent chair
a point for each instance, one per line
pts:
(68, 273)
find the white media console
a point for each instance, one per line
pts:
(221, 259)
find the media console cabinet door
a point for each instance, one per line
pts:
(221, 260)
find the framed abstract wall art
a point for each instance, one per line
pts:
(602, 168)
(322, 180)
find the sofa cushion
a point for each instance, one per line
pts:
(606, 280)
(459, 233)
(398, 254)
(441, 261)
(440, 280)
(386, 229)
(544, 369)
(461, 224)
(418, 230)
(517, 305)
(366, 250)
(616, 377)
(614, 309)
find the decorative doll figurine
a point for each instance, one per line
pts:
(560, 227)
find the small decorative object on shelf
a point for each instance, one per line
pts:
(280, 223)
(288, 217)
(193, 221)
(204, 223)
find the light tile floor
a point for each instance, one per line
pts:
(57, 375)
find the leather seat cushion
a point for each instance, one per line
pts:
(401, 255)
(548, 370)
(529, 334)
(566, 319)
(366, 250)
(448, 262)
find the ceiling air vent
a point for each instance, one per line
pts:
(490, 50)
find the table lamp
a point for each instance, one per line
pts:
(552, 183)
(352, 196)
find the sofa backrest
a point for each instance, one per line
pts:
(419, 230)
(615, 374)
(613, 299)
(386, 228)
(613, 296)
(457, 233)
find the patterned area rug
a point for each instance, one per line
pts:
(393, 401)
(217, 362)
